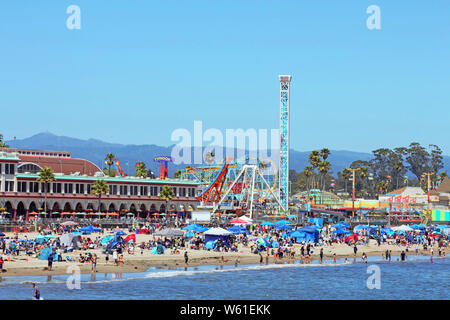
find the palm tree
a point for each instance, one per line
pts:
(398, 168)
(177, 174)
(383, 186)
(308, 172)
(46, 176)
(109, 160)
(99, 188)
(166, 194)
(324, 153)
(314, 160)
(324, 167)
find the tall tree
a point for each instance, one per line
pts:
(324, 167)
(177, 174)
(436, 159)
(346, 174)
(109, 161)
(314, 160)
(308, 172)
(166, 194)
(141, 170)
(324, 153)
(99, 188)
(418, 159)
(46, 175)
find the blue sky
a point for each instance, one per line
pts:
(137, 70)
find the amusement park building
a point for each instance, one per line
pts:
(21, 193)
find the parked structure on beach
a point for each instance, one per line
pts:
(21, 193)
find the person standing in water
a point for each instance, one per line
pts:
(321, 255)
(36, 292)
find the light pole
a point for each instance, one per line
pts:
(353, 190)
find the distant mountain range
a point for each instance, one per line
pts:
(95, 150)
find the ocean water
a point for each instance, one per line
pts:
(416, 278)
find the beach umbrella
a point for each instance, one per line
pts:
(190, 234)
(218, 232)
(238, 221)
(361, 227)
(50, 236)
(284, 227)
(283, 222)
(339, 231)
(120, 233)
(69, 223)
(169, 232)
(267, 223)
(77, 233)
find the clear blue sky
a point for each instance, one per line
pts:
(137, 70)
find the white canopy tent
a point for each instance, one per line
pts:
(218, 232)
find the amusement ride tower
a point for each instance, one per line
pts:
(285, 83)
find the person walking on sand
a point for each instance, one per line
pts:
(94, 263)
(50, 261)
(355, 249)
(186, 258)
(121, 260)
(321, 255)
(1, 264)
(334, 257)
(115, 258)
(390, 253)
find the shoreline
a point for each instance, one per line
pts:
(140, 263)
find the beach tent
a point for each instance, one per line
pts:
(190, 234)
(69, 240)
(218, 233)
(267, 223)
(275, 244)
(262, 241)
(210, 245)
(195, 227)
(403, 228)
(159, 249)
(306, 234)
(169, 232)
(44, 254)
(106, 239)
(238, 229)
(90, 229)
(417, 227)
(130, 237)
(353, 237)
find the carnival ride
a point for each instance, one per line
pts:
(118, 168)
(245, 186)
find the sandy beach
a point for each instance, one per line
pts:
(29, 266)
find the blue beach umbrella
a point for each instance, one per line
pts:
(120, 233)
(284, 227)
(283, 222)
(267, 223)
